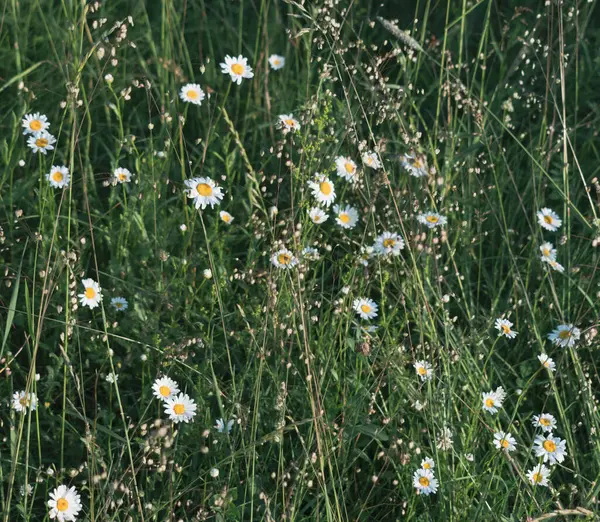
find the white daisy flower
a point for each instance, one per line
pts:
(119, 303)
(35, 123)
(554, 264)
(64, 504)
(92, 295)
(545, 421)
(317, 215)
(424, 370)
(388, 243)
(366, 253)
(551, 449)
(310, 253)
(276, 62)
(549, 219)
(323, 189)
(427, 463)
(192, 93)
(21, 401)
(58, 177)
(112, 377)
(121, 175)
(365, 308)
(505, 441)
(371, 160)
(346, 168)
(504, 327)
(41, 142)
(180, 408)
(432, 219)
(565, 335)
(226, 217)
(416, 165)
(165, 388)
(425, 481)
(547, 362)
(283, 258)
(539, 475)
(221, 427)
(346, 217)
(288, 123)
(493, 400)
(548, 251)
(204, 192)
(237, 68)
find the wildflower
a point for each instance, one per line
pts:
(112, 377)
(180, 408)
(207, 273)
(21, 401)
(317, 215)
(58, 177)
(346, 168)
(276, 62)
(554, 264)
(237, 68)
(552, 449)
(323, 189)
(427, 463)
(432, 219)
(192, 93)
(214, 472)
(92, 295)
(371, 160)
(204, 192)
(287, 122)
(539, 475)
(425, 481)
(545, 421)
(312, 254)
(424, 370)
(504, 327)
(35, 123)
(220, 425)
(365, 308)
(165, 388)
(366, 253)
(548, 251)
(41, 142)
(415, 165)
(346, 217)
(122, 175)
(284, 259)
(565, 335)
(64, 504)
(549, 219)
(388, 243)
(444, 440)
(26, 490)
(119, 303)
(547, 362)
(493, 400)
(505, 441)
(226, 217)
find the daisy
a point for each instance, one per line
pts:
(547, 362)
(287, 122)
(310, 253)
(493, 400)
(415, 165)
(276, 62)
(58, 177)
(317, 215)
(119, 303)
(552, 449)
(192, 93)
(548, 251)
(226, 217)
(365, 308)
(427, 463)
(204, 192)
(505, 441)
(565, 335)
(366, 253)
(220, 425)
(34, 123)
(180, 408)
(371, 160)
(539, 475)
(21, 401)
(424, 370)
(555, 265)
(237, 68)
(165, 388)
(432, 219)
(92, 295)
(545, 421)
(504, 327)
(549, 219)
(64, 504)
(41, 142)
(284, 259)
(346, 168)
(388, 243)
(121, 175)
(346, 217)
(323, 189)
(425, 482)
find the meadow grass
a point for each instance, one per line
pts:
(482, 112)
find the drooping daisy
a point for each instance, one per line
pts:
(416, 165)
(276, 62)
(346, 217)
(323, 189)
(547, 362)
(539, 475)
(424, 370)
(237, 68)
(365, 308)
(22, 401)
(284, 259)
(425, 481)
(504, 327)
(317, 215)
(388, 243)
(432, 219)
(549, 219)
(41, 142)
(119, 303)
(58, 177)
(64, 504)
(427, 463)
(92, 295)
(545, 421)
(226, 217)
(565, 335)
(122, 175)
(180, 408)
(554, 264)
(192, 93)
(551, 449)
(505, 441)
(165, 388)
(288, 123)
(346, 168)
(220, 426)
(493, 400)
(371, 160)
(204, 192)
(310, 253)
(34, 123)
(548, 251)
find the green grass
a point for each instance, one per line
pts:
(331, 421)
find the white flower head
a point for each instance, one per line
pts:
(371, 160)
(551, 449)
(22, 401)
(424, 370)
(221, 426)
(388, 243)
(41, 141)
(92, 294)
(226, 217)
(505, 441)
(545, 421)
(346, 217)
(310, 253)
(416, 165)
(547, 362)
(204, 192)
(120, 304)
(237, 68)
(121, 175)
(539, 475)
(288, 123)
(365, 308)
(192, 93)
(276, 62)
(504, 327)
(493, 400)
(549, 219)
(565, 335)
(317, 215)
(64, 504)
(432, 219)
(444, 440)
(58, 177)
(427, 463)
(548, 251)
(425, 482)
(554, 264)
(346, 168)
(35, 123)
(323, 189)
(283, 258)
(180, 408)
(165, 388)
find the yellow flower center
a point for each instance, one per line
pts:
(426, 465)
(546, 252)
(423, 371)
(316, 218)
(204, 189)
(370, 160)
(237, 68)
(345, 218)
(23, 401)
(349, 167)
(41, 142)
(57, 176)
(537, 478)
(276, 61)
(544, 421)
(547, 365)
(417, 163)
(424, 481)
(122, 176)
(432, 219)
(284, 259)
(365, 308)
(489, 402)
(506, 329)
(325, 188)
(90, 293)
(549, 446)
(226, 218)
(62, 504)
(504, 443)
(118, 305)
(564, 334)
(192, 94)
(179, 409)
(290, 123)
(35, 125)
(548, 219)
(389, 243)
(165, 391)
